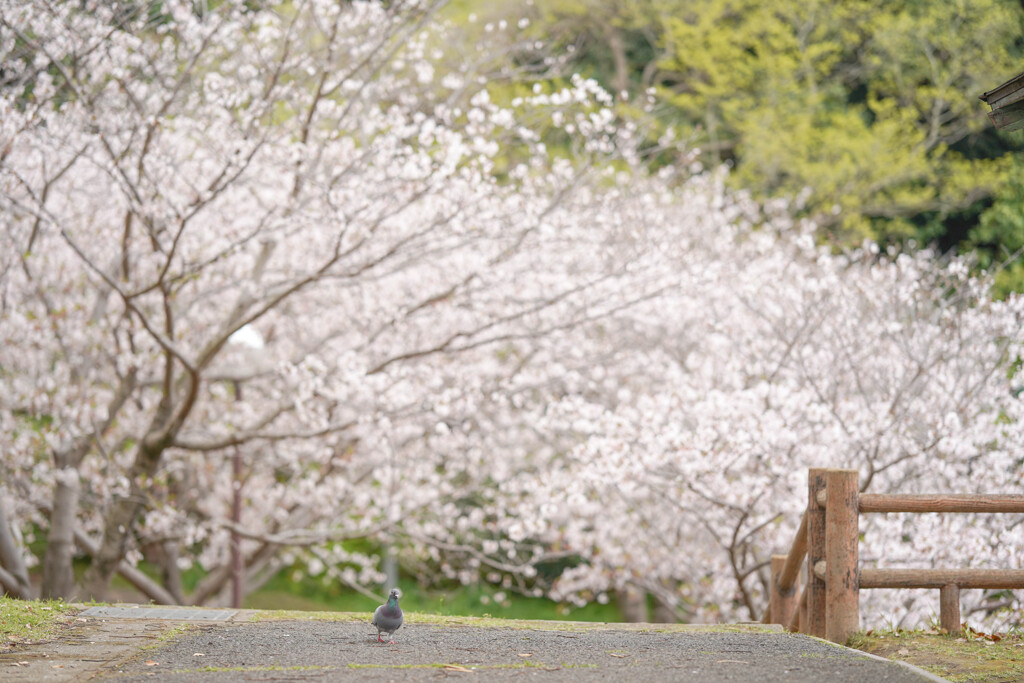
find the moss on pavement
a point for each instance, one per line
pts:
(967, 657)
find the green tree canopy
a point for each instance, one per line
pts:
(867, 110)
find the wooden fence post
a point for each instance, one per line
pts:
(801, 612)
(815, 622)
(842, 581)
(949, 608)
(783, 601)
(828, 606)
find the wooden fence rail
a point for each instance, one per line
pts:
(828, 605)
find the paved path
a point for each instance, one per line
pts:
(239, 649)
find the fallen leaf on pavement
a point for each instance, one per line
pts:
(150, 662)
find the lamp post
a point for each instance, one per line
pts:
(252, 340)
(237, 567)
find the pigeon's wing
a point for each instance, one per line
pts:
(376, 615)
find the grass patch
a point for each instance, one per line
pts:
(479, 600)
(966, 657)
(28, 621)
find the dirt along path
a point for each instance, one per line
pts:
(226, 646)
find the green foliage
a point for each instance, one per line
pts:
(998, 237)
(315, 595)
(873, 107)
(866, 111)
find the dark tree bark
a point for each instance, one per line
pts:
(58, 576)
(633, 604)
(13, 574)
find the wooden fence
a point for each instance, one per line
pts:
(828, 604)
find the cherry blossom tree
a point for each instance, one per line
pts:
(776, 355)
(243, 249)
(279, 278)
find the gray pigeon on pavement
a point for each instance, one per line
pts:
(388, 617)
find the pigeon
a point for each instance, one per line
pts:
(388, 617)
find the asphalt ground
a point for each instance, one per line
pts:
(283, 649)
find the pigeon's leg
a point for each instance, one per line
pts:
(392, 641)
(379, 639)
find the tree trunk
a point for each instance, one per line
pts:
(618, 49)
(237, 561)
(147, 586)
(13, 575)
(664, 613)
(172, 573)
(58, 570)
(58, 575)
(389, 563)
(118, 523)
(633, 604)
(164, 554)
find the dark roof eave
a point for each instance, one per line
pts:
(994, 96)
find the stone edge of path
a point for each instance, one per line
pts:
(927, 675)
